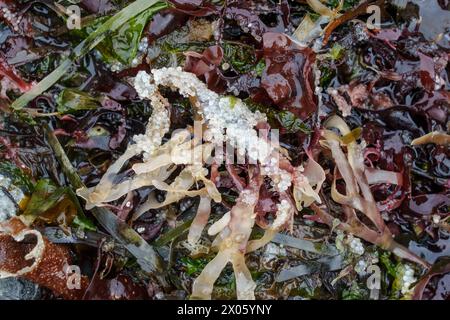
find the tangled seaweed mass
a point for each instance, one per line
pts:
(224, 149)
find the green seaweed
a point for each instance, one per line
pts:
(17, 176)
(71, 100)
(96, 37)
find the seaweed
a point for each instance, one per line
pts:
(89, 116)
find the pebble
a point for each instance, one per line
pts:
(18, 289)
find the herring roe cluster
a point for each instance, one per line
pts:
(222, 114)
(407, 279)
(227, 119)
(283, 214)
(159, 122)
(11, 17)
(356, 246)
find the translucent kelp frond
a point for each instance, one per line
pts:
(358, 196)
(232, 247)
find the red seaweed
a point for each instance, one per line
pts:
(288, 77)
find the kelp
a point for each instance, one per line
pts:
(436, 137)
(323, 264)
(305, 245)
(358, 195)
(232, 240)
